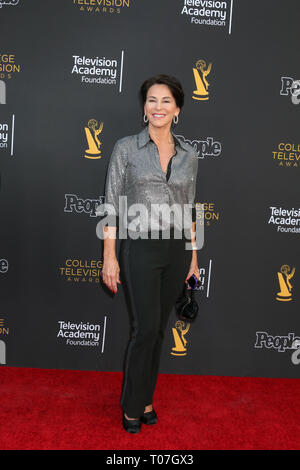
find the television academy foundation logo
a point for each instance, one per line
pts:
(102, 6)
(4, 129)
(7, 133)
(203, 284)
(286, 220)
(99, 70)
(208, 12)
(82, 334)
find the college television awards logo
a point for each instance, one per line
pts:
(284, 276)
(287, 155)
(82, 271)
(201, 70)
(8, 67)
(206, 213)
(92, 132)
(4, 330)
(102, 6)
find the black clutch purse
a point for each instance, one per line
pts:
(186, 306)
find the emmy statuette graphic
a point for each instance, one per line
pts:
(94, 143)
(284, 277)
(179, 333)
(200, 73)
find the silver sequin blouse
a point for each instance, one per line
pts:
(135, 171)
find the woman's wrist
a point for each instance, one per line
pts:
(109, 252)
(109, 257)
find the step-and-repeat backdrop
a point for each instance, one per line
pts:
(70, 72)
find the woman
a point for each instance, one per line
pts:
(150, 168)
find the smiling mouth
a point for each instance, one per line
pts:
(158, 115)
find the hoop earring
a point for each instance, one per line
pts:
(175, 120)
(145, 120)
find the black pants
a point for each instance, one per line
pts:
(152, 273)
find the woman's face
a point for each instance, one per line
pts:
(160, 106)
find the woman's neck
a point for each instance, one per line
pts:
(161, 135)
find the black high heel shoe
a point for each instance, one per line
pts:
(131, 425)
(150, 417)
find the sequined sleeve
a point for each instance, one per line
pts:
(114, 185)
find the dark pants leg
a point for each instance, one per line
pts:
(152, 273)
(173, 277)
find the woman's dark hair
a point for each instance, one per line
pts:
(171, 82)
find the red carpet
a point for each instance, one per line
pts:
(64, 410)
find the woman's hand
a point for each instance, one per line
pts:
(194, 269)
(110, 273)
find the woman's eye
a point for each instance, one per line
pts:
(153, 101)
